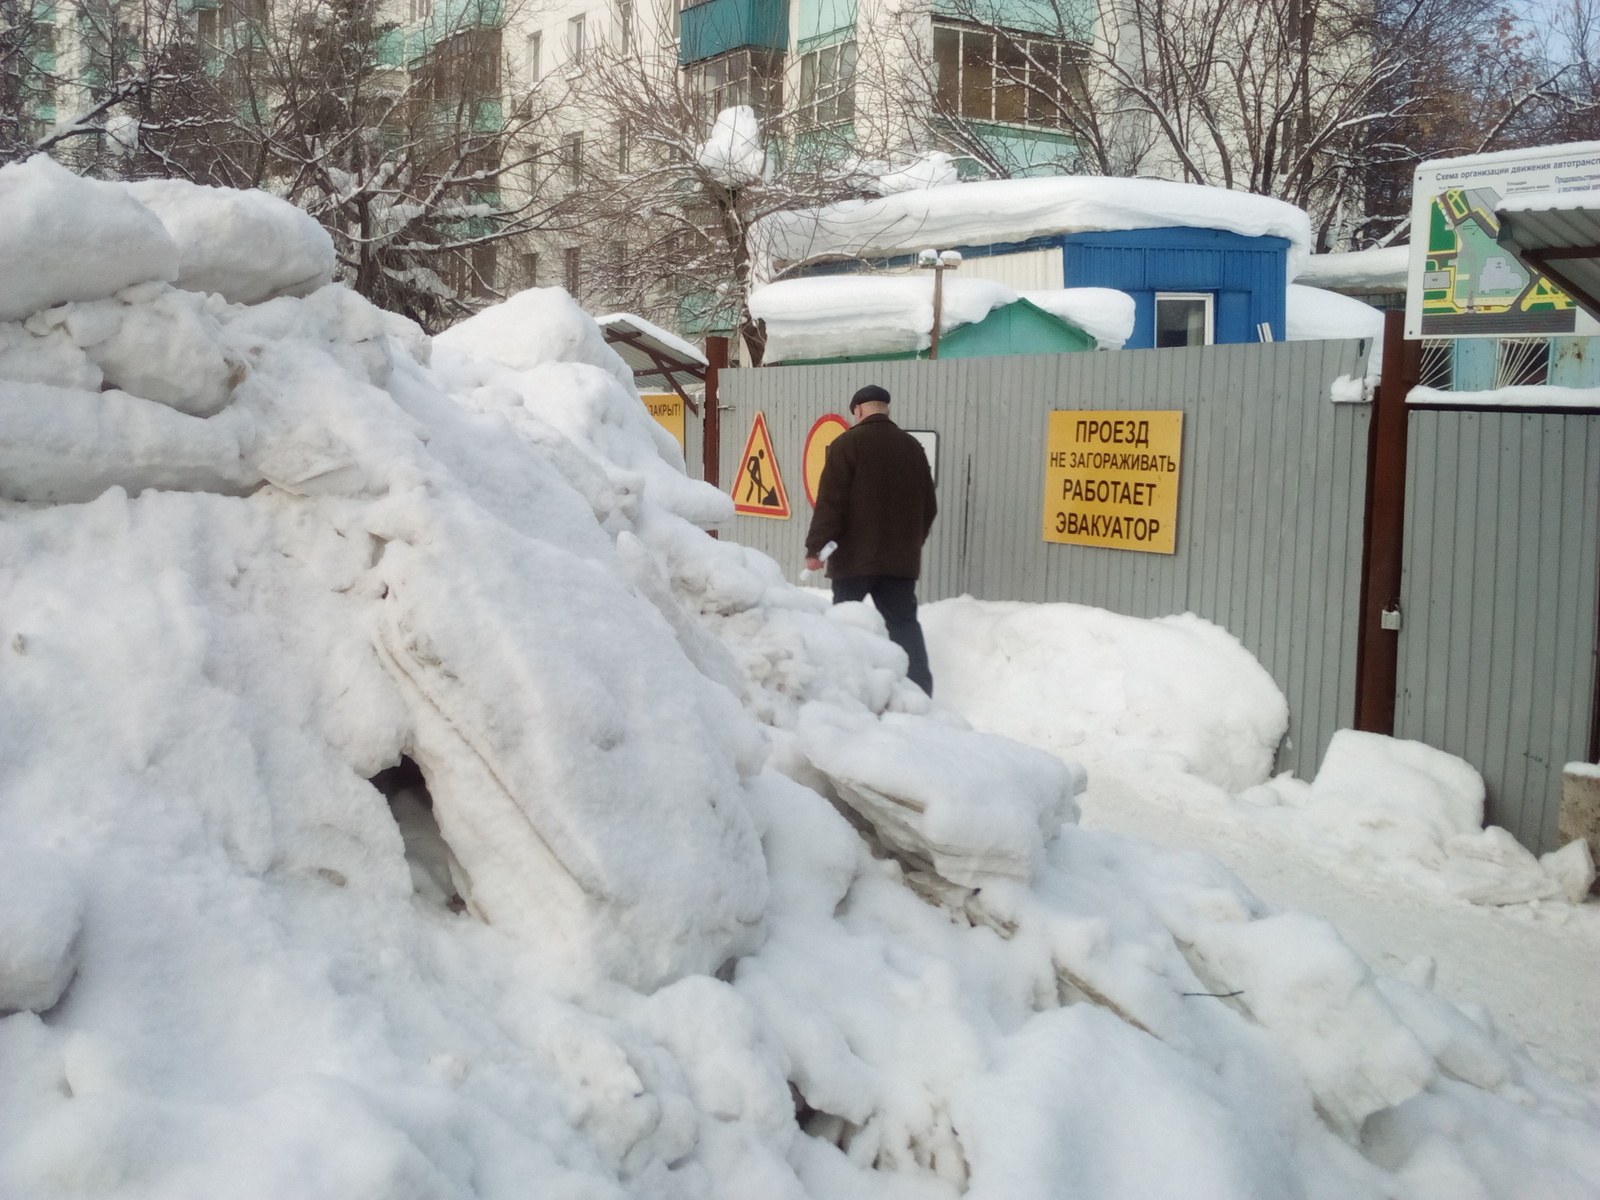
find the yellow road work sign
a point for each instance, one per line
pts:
(667, 409)
(1111, 479)
(758, 488)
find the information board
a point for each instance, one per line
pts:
(1111, 479)
(1460, 281)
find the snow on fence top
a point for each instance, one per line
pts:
(1384, 267)
(1013, 210)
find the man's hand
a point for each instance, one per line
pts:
(813, 563)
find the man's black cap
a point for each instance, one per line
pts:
(872, 393)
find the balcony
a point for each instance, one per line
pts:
(717, 26)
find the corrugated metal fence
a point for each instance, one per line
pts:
(1271, 493)
(1498, 598)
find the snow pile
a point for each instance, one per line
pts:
(411, 801)
(839, 316)
(245, 246)
(933, 169)
(1105, 314)
(734, 155)
(1014, 210)
(1382, 267)
(1177, 696)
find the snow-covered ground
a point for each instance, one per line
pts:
(1152, 707)
(402, 797)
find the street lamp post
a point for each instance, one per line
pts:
(938, 261)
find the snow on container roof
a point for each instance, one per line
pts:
(1105, 314)
(1383, 267)
(1014, 210)
(855, 316)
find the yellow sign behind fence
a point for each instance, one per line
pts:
(667, 409)
(1111, 479)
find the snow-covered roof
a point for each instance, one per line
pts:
(1383, 267)
(1013, 210)
(656, 357)
(1557, 235)
(839, 316)
(1105, 314)
(1312, 314)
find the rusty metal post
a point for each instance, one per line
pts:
(711, 424)
(1378, 634)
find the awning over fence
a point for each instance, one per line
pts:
(1559, 237)
(657, 358)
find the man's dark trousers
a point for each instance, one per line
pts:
(896, 601)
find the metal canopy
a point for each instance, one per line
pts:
(1560, 242)
(654, 360)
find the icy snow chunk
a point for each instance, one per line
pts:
(168, 349)
(40, 914)
(967, 805)
(50, 357)
(66, 446)
(245, 245)
(1298, 978)
(1573, 869)
(63, 237)
(1105, 314)
(1489, 866)
(535, 327)
(1384, 783)
(734, 154)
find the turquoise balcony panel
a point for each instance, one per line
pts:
(1072, 19)
(820, 20)
(718, 26)
(391, 48)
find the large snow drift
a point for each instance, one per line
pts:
(666, 882)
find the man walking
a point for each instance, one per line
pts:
(875, 503)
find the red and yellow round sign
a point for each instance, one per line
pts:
(822, 434)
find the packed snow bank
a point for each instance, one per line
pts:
(246, 246)
(1014, 210)
(839, 316)
(69, 238)
(1105, 314)
(674, 922)
(1179, 694)
(1382, 267)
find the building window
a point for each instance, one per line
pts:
(625, 26)
(529, 263)
(745, 76)
(572, 158)
(1183, 319)
(533, 56)
(575, 40)
(828, 85)
(1013, 79)
(420, 10)
(571, 262)
(1522, 362)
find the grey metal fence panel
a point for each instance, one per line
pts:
(1270, 494)
(1498, 596)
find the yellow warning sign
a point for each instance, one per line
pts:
(758, 490)
(1111, 479)
(667, 409)
(822, 435)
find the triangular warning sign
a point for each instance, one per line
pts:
(758, 488)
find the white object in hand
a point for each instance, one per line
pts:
(826, 552)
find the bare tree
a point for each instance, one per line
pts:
(668, 224)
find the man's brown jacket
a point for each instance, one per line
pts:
(876, 500)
